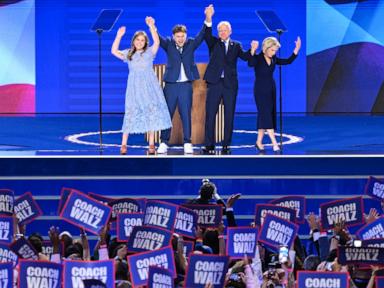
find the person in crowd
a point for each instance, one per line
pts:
(264, 65)
(145, 107)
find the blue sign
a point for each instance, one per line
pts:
(26, 208)
(139, 264)
(360, 255)
(379, 281)
(100, 198)
(159, 277)
(40, 274)
(47, 248)
(85, 212)
(375, 188)
(316, 279)
(186, 222)
(298, 203)
(262, 210)
(6, 202)
(125, 224)
(377, 243)
(6, 275)
(349, 211)
(241, 241)
(207, 215)
(188, 248)
(160, 214)
(277, 231)
(23, 249)
(144, 238)
(125, 205)
(206, 269)
(77, 271)
(374, 230)
(7, 255)
(6, 229)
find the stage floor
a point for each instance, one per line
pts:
(79, 135)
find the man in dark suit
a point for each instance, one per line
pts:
(180, 71)
(221, 78)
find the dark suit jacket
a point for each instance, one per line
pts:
(174, 58)
(219, 61)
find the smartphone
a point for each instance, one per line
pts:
(283, 254)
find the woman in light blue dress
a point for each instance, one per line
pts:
(145, 106)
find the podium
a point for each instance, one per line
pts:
(198, 111)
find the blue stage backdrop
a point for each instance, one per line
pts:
(345, 56)
(67, 55)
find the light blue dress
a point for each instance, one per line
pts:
(145, 106)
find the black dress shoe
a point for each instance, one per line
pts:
(226, 150)
(261, 151)
(210, 149)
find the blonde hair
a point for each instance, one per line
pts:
(270, 42)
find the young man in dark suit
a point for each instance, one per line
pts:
(221, 78)
(180, 71)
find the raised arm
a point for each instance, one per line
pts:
(281, 61)
(209, 11)
(155, 37)
(116, 43)
(252, 61)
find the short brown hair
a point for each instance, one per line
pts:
(179, 28)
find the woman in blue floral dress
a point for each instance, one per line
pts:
(145, 106)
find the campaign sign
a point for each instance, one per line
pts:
(36, 274)
(298, 203)
(375, 188)
(139, 264)
(241, 240)
(144, 238)
(379, 281)
(6, 202)
(6, 275)
(77, 271)
(350, 211)
(85, 212)
(374, 230)
(360, 255)
(160, 214)
(6, 229)
(26, 208)
(186, 222)
(160, 278)
(377, 243)
(263, 209)
(188, 248)
(125, 205)
(125, 224)
(277, 231)
(315, 279)
(204, 269)
(7, 255)
(23, 249)
(207, 215)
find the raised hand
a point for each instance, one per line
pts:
(150, 21)
(209, 11)
(254, 46)
(232, 199)
(298, 45)
(121, 31)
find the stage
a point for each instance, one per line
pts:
(47, 134)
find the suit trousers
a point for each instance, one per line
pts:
(215, 93)
(179, 94)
